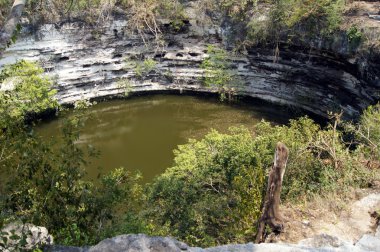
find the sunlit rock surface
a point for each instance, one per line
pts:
(19, 237)
(88, 62)
(144, 243)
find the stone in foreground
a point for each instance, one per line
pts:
(144, 243)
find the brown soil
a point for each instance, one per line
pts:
(348, 219)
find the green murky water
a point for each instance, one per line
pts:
(141, 133)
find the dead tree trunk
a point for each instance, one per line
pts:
(271, 207)
(10, 24)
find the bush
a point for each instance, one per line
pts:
(319, 16)
(319, 159)
(218, 73)
(42, 182)
(24, 91)
(45, 187)
(367, 134)
(354, 36)
(143, 68)
(212, 195)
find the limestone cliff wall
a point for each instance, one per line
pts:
(88, 62)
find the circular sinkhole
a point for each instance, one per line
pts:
(141, 133)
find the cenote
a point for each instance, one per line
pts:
(140, 133)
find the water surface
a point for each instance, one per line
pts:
(141, 133)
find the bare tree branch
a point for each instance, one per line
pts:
(271, 207)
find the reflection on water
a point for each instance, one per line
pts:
(141, 133)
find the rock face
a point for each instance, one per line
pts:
(24, 237)
(144, 243)
(89, 63)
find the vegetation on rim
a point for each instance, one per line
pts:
(218, 73)
(267, 21)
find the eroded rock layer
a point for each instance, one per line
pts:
(90, 62)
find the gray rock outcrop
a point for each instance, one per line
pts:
(89, 62)
(27, 236)
(144, 243)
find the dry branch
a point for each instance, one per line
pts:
(271, 207)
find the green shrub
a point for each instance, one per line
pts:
(24, 90)
(325, 15)
(45, 187)
(126, 85)
(143, 68)
(319, 160)
(367, 134)
(212, 195)
(41, 181)
(354, 35)
(218, 73)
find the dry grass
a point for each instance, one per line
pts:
(356, 14)
(333, 213)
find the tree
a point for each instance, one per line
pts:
(10, 25)
(271, 209)
(213, 193)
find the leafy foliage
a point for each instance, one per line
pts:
(324, 15)
(354, 35)
(213, 193)
(42, 182)
(319, 159)
(142, 68)
(218, 73)
(46, 187)
(126, 85)
(367, 134)
(290, 19)
(24, 90)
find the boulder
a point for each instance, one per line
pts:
(18, 236)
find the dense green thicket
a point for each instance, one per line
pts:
(213, 192)
(24, 91)
(41, 181)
